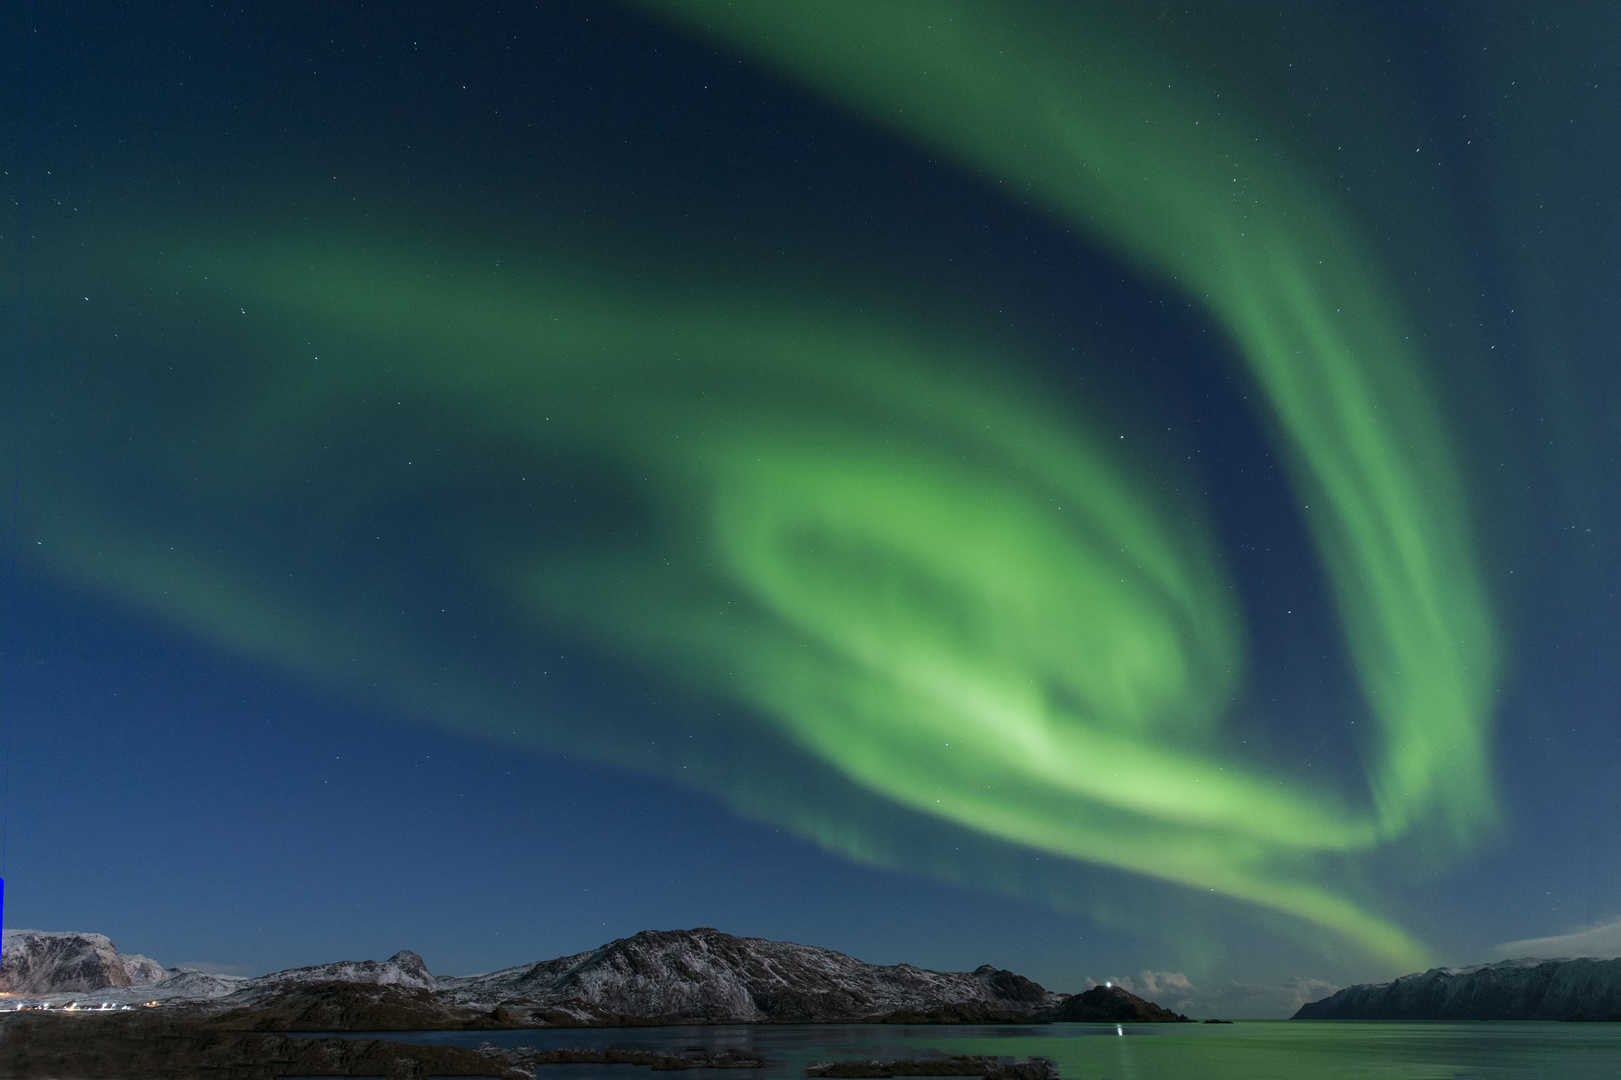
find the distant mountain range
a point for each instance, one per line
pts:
(655, 977)
(1510, 990)
(706, 977)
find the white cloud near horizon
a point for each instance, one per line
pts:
(1229, 1001)
(1601, 942)
(1156, 984)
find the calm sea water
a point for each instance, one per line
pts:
(1253, 1050)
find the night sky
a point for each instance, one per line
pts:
(1114, 491)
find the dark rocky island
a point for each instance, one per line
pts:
(1113, 1005)
(1510, 990)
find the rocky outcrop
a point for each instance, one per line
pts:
(1510, 990)
(143, 970)
(53, 963)
(338, 1006)
(42, 962)
(152, 1044)
(1114, 1005)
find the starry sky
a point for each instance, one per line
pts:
(1113, 492)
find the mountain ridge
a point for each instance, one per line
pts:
(1525, 989)
(700, 976)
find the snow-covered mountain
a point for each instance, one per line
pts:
(49, 964)
(1509, 990)
(705, 976)
(41, 961)
(654, 977)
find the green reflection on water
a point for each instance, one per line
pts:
(1291, 1050)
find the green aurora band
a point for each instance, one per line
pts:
(1035, 96)
(904, 558)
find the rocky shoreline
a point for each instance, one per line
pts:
(152, 1044)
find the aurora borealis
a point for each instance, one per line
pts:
(1291, 285)
(834, 465)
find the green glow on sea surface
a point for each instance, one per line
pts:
(1283, 1050)
(907, 557)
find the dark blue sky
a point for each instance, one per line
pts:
(203, 804)
(224, 815)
